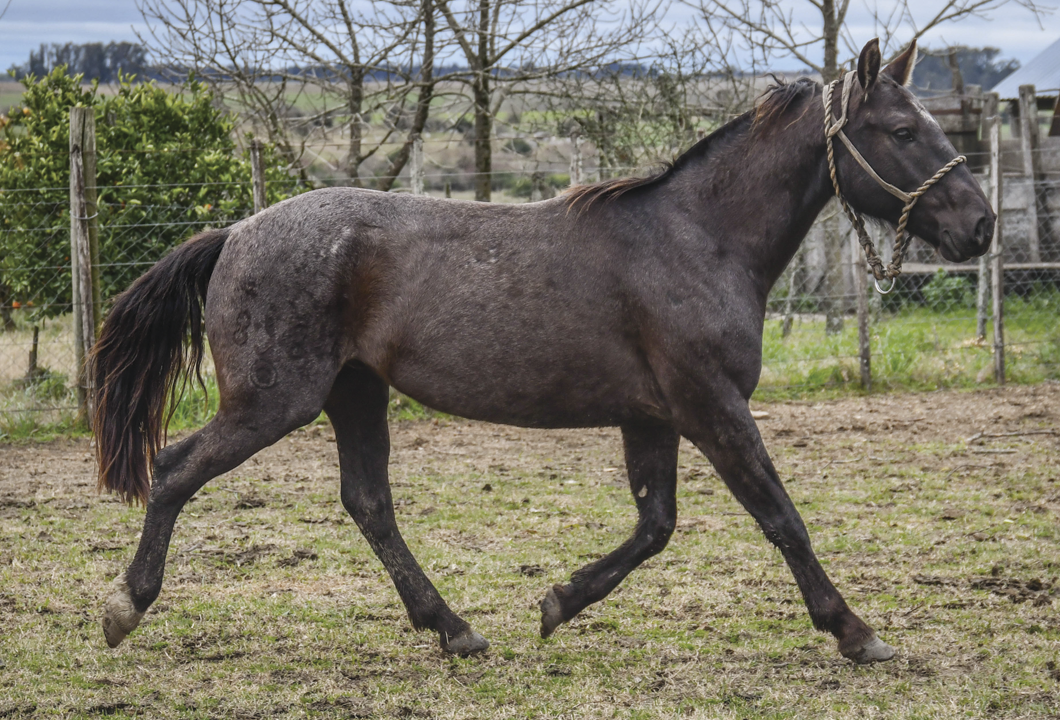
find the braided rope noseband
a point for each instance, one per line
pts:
(901, 240)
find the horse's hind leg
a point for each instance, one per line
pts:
(651, 462)
(180, 470)
(357, 408)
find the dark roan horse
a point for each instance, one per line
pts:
(636, 303)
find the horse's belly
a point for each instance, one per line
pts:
(529, 389)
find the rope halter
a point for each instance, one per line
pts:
(901, 240)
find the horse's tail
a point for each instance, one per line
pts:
(152, 338)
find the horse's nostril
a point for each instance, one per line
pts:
(984, 231)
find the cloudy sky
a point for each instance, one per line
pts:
(28, 23)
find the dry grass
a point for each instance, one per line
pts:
(275, 607)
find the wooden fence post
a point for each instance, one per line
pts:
(861, 284)
(84, 253)
(416, 165)
(997, 268)
(575, 158)
(833, 299)
(257, 176)
(1028, 105)
(982, 305)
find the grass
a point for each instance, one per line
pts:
(914, 349)
(275, 607)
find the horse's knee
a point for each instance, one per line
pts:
(372, 512)
(785, 530)
(660, 528)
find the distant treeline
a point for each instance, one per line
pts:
(95, 61)
(978, 66)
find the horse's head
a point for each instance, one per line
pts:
(906, 147)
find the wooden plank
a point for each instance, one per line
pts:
(1028, 110)
(929, 269)
(416, 165)
(575, 158)
(257, 176)
(991, 109)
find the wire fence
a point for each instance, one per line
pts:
(932, 331)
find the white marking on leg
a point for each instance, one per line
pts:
(643, 492)
(120, 616)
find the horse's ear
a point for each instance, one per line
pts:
(901, 68)
(869, 64)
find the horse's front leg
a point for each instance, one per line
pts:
(651, 462)
(729, 437)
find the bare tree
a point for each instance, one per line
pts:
(308, 72)
(511, 45)
(815, 34)
(638, 115)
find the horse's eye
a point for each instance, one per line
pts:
(904, 135)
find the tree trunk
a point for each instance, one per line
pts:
(483, 131)
(480, 91)
(831, 41)
(353, 156)
(7, 323)
(423, 101)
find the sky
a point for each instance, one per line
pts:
(28, 23)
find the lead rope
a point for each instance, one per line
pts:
(901, 240)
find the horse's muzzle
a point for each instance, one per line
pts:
(958, 246)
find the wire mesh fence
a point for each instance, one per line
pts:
(932, 331)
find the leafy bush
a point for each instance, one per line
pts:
(948, 292)
(167, 166)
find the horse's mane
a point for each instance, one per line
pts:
(772, 104)
(769, 108)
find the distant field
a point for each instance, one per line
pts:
(10, 94)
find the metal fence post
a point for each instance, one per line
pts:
(84, 252)
(416, 165)
(257, 176)
(997, 269)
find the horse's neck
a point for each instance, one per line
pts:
(768, 187)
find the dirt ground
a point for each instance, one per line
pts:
(35, 473)
(934, 512)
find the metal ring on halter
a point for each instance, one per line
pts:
(881, 291)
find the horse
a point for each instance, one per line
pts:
(636, 302)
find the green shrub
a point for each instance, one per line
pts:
(167, 166)
(948, 292)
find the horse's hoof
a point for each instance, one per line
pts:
(466, 643)
(551, 612)
(120, 616)
(875, 650)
